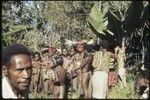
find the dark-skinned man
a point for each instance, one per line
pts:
(83, 62)
(101, 64)
(17, 60)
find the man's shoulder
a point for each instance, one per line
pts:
(97, 53)
(4, 80)
(6, 86)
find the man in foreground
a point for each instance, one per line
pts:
(17, 60)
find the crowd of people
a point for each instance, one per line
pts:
(90, 74)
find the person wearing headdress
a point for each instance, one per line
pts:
(48, 84)
(36, 83)
(82, 68)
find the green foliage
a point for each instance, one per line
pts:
(123, 93)
(17, 28)
(96, 20)
(134, 14)
(74, 13)
(128, 92)
(55, 12)
(70, 19)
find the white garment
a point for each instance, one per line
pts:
(145, 94)
(121, 71)
(7, 90)
(122, 74)
(99, 84)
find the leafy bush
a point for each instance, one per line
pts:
(128, 92)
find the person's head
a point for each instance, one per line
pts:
(37, 56)
(64, 52)
(17, 60)
(118, 45)
(146, 76)
(72, 51)
(51, 51)
(80, 46)
(103, 45)
(56, 61)
(44, 52)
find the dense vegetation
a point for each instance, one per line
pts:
(39, 23)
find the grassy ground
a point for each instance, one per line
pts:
(124, 93)
(114, 93)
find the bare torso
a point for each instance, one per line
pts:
(87, 65)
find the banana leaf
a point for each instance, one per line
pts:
(95, 18)
(133, 19)
(114, 24)
(145, 15)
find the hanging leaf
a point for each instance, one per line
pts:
(115, 15)
(114, 24)
(110, 32)
(96, 20)
(133, 15)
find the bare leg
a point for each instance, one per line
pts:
(56, 92)
(32, 86)
(85, 84)
(61, 92)
(75, 84)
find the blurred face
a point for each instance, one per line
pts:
(146, 81)
(72, 51)
(80, 47)
(45, 54)
(19, 72)
(37, 57)
(50, 53)
(64, 52)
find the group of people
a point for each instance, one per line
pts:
(89, 74)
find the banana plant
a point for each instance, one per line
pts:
(125, 21)
(118, 17)
(97, 21)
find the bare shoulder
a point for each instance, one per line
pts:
(63, 70)
(95, 53)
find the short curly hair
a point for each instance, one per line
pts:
(12, 50)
